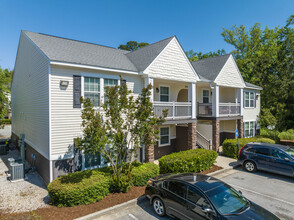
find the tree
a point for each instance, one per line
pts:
(132, 45)
(193, 56)
(5, 81)
(265, 58)
(125, 125)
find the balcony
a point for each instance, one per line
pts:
(224, 109)
(176, 110)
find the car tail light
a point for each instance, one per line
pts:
(241, 149)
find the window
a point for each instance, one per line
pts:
(164, 94)
(262, 151)
(92, 90)
(109, 83)
(176, 188)
(195, 197)
(249, 129)
(92, 160)
(250, 149)
(205, 96)
(279, 154)
(249, 99)
(164, 136)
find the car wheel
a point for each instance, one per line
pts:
(158, 207)
(250, 166)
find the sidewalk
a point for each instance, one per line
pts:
(225, 162)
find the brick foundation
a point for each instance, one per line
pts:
(215, 135)
(240, 127)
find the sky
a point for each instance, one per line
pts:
(196, 23)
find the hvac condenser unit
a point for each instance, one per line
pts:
(17, 171)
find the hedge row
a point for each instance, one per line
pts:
(5, 121)
(84, 187)
(77, 188)
(230, 146)
(194, 160)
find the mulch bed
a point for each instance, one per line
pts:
(68, 213)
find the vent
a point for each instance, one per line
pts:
(17, 171)
(3, 149)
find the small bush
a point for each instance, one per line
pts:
(194, 160)
(77, 188)
(287, 135)
(272, 134)
(141, 174)
(230, 146)
(5, 121)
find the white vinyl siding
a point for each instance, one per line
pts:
(229, 76)
(172, 64)
(66, 120)
(30, 96)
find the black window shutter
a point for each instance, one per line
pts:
(77, 91)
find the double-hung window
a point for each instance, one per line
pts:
(164, 94)
(164, 136)
(249, 99)
(92, 90)
(249, 129)
(205, 96)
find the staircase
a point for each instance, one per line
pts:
(202, 141)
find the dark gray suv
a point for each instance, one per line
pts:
(268, 157)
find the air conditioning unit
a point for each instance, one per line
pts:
(17, 171)
(3, 149)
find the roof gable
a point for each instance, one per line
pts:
(172, 64)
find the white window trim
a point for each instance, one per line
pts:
(249, 107)
(203, 94)
(254, 122)
(167, 144)
(168, 92)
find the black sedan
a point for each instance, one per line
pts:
(197, 196)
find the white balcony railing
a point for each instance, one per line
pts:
(204, 109)
(229, 108)
(176, 110)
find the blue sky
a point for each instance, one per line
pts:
(197, 24)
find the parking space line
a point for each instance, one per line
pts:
(133, 217)
(248, 190)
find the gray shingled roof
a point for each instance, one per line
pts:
(143, 58)
(209, 68)
(78, 52)
(250, 85)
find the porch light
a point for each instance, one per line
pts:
(157, 90)
(64, 83)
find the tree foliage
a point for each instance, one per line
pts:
(193, 56)
(125, 124)
(265, 57)
(5, 81)
(132, 45)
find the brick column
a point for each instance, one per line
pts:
(149, 153)
(192, 135)
(215, 135)
(240, 127)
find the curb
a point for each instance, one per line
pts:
(110, 209)
(222, 170)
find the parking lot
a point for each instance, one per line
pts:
(271, 191)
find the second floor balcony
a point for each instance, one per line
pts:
(176, 110)
(224, 109)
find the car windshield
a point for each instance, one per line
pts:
(227, 200)
(290, 151)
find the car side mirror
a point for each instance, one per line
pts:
(287, 159)
(240, 192)
(208, 211)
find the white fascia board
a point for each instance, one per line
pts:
(92, 67)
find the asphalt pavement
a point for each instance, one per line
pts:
(271, 191)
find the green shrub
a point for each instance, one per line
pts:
(141, 174)
(6, 121)
(194, 160)
(272, 134)
(77, 188)
(230, 146)
(287, 135)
